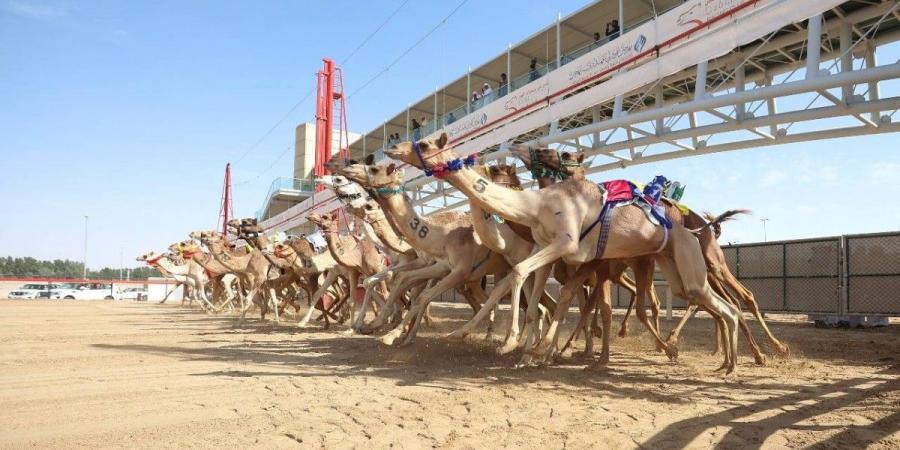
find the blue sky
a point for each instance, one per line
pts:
(128, 111)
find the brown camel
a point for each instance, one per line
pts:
(720, 278)
(461, 262)
(562, 218)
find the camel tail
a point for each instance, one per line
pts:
(716, 221)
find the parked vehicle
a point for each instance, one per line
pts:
(83, 291)
(32, 291)
(131, 294)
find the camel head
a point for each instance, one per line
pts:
(564, 164)
(327, 222)
(283, 249)
(505, 175)
(150, 258)
(185, 246)
(337, 162)
(375, 176)
(430, 152)
(347, 191)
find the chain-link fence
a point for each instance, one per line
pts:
(873, 273)
(854, 274)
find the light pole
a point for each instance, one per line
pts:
(84, 256)
(765, 235)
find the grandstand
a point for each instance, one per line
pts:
(681, 78)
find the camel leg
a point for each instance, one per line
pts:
(583, 322)
(628, 284)
(501, 288)
(747, 298)
(534, 317)
(354, 280)
(568, 291)
(317, 296)
(685, 271)
(456, 277)
(643, 275)
(405, 281)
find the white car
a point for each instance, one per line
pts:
(83, 291)
(131, 294)
(31, 291)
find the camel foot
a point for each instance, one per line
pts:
(623, 332)
(511, 343)
(784, 351)
(761, 360)
(671, 352)
(583, 355)
(303, 324)
(727, 366)
(523, 363)
(348, 332)
(601, 365)
(388, 339)
(458, 335)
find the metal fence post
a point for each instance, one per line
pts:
(844, 276)
(784, 277)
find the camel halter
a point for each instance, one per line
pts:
(154, 261)
(441, 170)
(540, 170)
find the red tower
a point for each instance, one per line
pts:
(226, 211)
(330, 105)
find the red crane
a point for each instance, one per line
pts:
(330, 106)
(226, 211)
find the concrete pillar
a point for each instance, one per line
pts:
(621, 18)
(435, 117)
(384, 134)
(813, 46)
(407, 121)
(595, 117)
(772, 106)
(509, 76)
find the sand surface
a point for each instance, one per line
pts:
(135, 375)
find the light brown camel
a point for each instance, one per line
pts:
(188, 272)
(224, 281)
(252, 265)
(461, 262)
(358, 257)
(720, 278)
(561, 218)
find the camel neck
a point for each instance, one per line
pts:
(339, 251)
(386, 233)
(418, 232)
(517, 206)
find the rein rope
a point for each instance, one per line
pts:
(441, 170)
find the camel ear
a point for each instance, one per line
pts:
(441, 141)
(391, 168)
(351, 162)
(580, 157)
(370, 159)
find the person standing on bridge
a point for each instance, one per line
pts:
(487, 94)
(533, 72)
(504, 86)
(612, 29)
(416, 132)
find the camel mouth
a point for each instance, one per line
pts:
(393, 152)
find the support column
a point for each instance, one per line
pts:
(509, 75)
(621, 18)
(468, 90)
(617, 106)
(409, 105)
(364, 145)
(434, 118)
(384, 135)
(740, 109)
(846, 61)
(772, 107)
(700, 84)
(595, 117)
(658, 103)
(813, 46)
(558, 43)
(874, 95)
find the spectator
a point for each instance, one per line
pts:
(612, 29)
(451, 118)
(487, 93)
(597, 40)
(415, 127)
(475, 97)
(504, 86)
(533, 72)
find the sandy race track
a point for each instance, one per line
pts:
(125, 375)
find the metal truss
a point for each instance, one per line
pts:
(745, 99)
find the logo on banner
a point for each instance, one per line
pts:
(639, 43)
(466, 124)
(689, 17)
